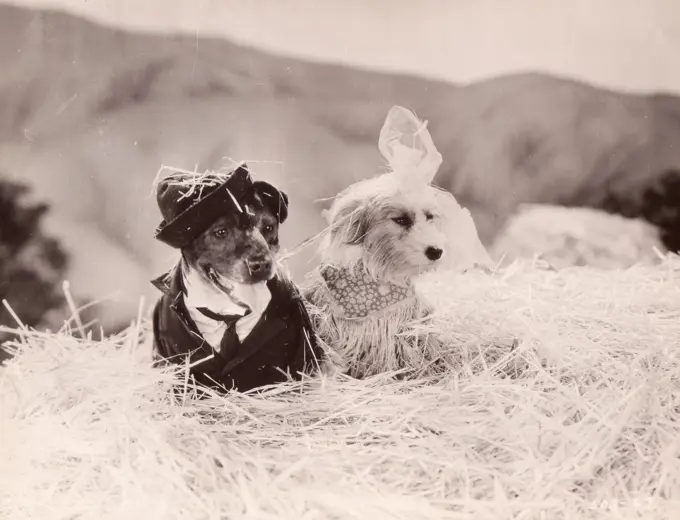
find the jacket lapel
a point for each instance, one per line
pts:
(171, 285)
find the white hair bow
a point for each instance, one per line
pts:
(407, 146)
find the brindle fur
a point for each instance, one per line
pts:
(250, 236)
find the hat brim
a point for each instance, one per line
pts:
(188, 225)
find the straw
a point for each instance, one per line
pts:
(561, 402)
(192, 180)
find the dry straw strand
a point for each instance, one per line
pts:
(560, 400)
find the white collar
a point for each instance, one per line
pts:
(200, 293)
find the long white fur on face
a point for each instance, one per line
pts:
(452, 230)
(387, 250)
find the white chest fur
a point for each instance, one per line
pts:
(203, 294)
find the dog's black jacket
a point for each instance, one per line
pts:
(282, 340)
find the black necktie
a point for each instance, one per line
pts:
(230, 342)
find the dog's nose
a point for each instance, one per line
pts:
(433, 253)
(259, 264)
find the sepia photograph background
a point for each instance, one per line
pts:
(562, 104)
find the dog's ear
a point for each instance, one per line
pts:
(273, 199)
(351, 223)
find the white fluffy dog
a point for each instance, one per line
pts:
(383, 233)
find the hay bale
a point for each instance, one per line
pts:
(588, 428)
(577, 237)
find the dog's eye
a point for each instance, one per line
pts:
(220, 233)
(428, 216)
(268, 228)
(403, 221)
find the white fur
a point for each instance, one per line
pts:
(202, 293)
(452, 229)
(364, 230)
(408, 258)
(385, 342)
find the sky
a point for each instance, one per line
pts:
(629, 44)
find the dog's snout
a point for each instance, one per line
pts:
(259, 264)
(433, 253)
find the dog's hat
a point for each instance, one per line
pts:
(189, 203)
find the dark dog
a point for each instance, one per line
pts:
(225, 308)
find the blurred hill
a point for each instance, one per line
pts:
(88, 114)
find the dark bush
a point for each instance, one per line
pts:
(32, 265)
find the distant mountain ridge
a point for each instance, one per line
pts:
(58, 64)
